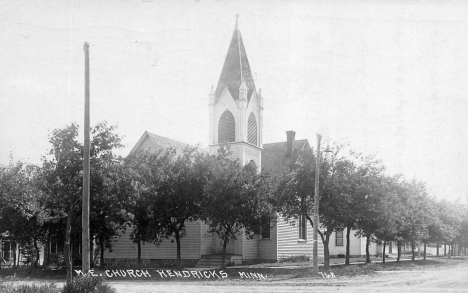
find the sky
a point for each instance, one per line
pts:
(389, 77)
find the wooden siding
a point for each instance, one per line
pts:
(354, 244)
(268, 246)
(252, 154)
(207, 240)
(236, 150)
(250, 247)
(288, 240)
(123, 247)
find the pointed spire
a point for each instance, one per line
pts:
(236, 68)
(212, 96)
(243, 86)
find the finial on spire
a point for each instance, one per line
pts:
(237, 19)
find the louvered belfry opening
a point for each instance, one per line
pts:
(226, 127)
(252, 130)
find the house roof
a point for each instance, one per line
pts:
(154, 143)
(235, 70)
(274, 157)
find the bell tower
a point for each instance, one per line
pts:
(235, 106)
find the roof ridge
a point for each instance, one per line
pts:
(305, 139)
(166, 137)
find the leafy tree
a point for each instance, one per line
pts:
(235, 199)
(22, 213)
(63, 180)
(136, 194)
(106, 219)
(179, 190)
(62, 171)
(294, 193)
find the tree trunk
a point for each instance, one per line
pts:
(398, 250)
(91, 252)
(223, 258)
(445, 248)
(68, 256)
(36, 247)
(368, 260)
(347, 246)
(101, 260)
(326, 252)
(14, 253)
(47, 248)
(177, 237)
(390, 247)
(437, 243)
(419, 248)
(425, 244)
(139, 253)
(383, 252)
(412, 250)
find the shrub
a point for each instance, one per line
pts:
(44, 288)
(87, 285)
(294, 258)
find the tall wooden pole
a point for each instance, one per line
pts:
(85, 207)
(316, 205)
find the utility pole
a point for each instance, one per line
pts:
(85, 208)
(316, 206)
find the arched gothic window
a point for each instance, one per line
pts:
(226, 127)
(252, 129)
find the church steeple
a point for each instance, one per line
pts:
(236, 109)
(236, 69)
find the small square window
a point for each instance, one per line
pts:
(339, 238)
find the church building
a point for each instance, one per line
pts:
(235, 116)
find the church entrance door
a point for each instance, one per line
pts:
(218, 247)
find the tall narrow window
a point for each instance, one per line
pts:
(226, 127)
(266, 228)
(302, 227)
(339, 238)
(252, 130)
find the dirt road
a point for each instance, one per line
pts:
(449, 279)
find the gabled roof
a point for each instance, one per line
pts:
(274, 159)
(235, 70)
(154, 143)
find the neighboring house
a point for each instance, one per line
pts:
(357, 245)
(235, 116)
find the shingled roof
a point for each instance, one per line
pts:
(275, 160)
(235, 70)
(154, 143)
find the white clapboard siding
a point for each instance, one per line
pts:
(123, 247)
(251, 248)
(268, 246)
(288, 240)
(207, 240)
(252, 154)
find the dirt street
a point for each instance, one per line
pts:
(449, 279)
